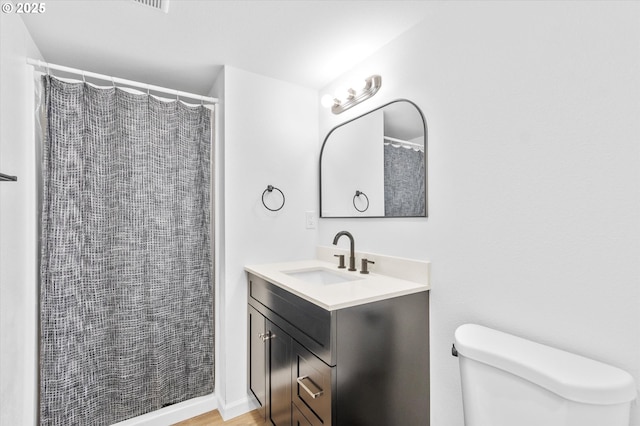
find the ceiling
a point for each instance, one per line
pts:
(304, 42)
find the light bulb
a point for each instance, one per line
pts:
(327, 101)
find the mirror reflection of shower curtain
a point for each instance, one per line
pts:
(126, 285)
(404, 181)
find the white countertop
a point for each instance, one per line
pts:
(367, 288)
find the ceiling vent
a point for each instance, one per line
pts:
(162, 5)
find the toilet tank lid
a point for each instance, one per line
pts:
(571, 376)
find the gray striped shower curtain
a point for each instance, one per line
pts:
(126, 291)
(404, 182)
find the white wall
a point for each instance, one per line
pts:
(270, 138)
(218, 236)
(534, 176)
(18, 227)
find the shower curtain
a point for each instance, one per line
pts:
(126, 272)
(404, 181)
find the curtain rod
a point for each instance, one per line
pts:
(114, 80)
(403, 142)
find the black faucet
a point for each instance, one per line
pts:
(352, 257)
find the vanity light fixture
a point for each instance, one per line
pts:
(344, 99)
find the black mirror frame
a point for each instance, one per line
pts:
(426, 163)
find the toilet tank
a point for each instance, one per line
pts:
(507, 381)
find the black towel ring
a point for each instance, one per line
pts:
(358, 194)
(270, 188)
(7, 178)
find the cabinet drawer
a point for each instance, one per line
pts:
(311, 385)
(306, 322)
(297, 418)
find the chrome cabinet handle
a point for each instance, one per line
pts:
(266, 336)
(313, 395)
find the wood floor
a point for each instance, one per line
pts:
(212, 418)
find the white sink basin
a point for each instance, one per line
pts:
(321, 276)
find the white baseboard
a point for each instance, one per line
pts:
(237, 408)
(174, 413)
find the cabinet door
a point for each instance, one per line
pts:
(258, 358)
(279, 362)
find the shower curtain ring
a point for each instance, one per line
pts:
(83, 79)
(113, 82)
(177, 95)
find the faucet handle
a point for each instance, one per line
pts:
(341, 259)
(365, 262)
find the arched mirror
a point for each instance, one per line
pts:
(375, 165)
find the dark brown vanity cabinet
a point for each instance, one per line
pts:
(364, 365)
